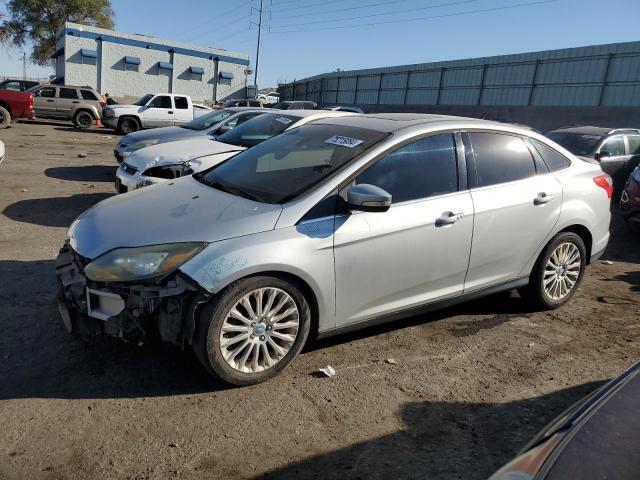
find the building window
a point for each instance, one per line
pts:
(88, 57)
(225, 78)
(196, 73)
(131, 64)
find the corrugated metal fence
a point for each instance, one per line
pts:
(601, 75)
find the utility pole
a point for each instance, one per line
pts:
(24, 65)
(255, 74)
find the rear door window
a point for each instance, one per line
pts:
(499, 158)
(181, 103)
(634, 144)
(68, 93)
(420, 169)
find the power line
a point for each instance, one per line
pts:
(448, 4)
(210, 21)
(390, 2)
(468, 12)
(307, 6)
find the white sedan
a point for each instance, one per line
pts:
(167, 161)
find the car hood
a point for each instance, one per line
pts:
(134, 137)
(120, 106)
(182, 210)
(178, 152)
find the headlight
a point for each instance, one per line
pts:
(169, 171)
(128, 264)
(141, 144)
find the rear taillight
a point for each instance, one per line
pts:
(30, 102)
(103, 104)
(605, 181)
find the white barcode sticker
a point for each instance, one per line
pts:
(344, 141)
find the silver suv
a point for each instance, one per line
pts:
(82, 105)
(332, 226)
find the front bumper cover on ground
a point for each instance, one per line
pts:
(125, 310)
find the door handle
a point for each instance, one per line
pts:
(542, 198)
(76, 101)
(170, 112)
(448, 218)
(49, 100)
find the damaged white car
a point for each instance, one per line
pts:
(162, 162)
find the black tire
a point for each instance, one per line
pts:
(206, 341)
(128, 125)
(535, 291)
(83, 119)
(5, 118)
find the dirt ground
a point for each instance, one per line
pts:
(470, 385)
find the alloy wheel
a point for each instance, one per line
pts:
(259, 330)
(562, 271)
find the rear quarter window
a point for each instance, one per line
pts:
(554, 160)
(88, 95)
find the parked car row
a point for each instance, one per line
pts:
(254, 231)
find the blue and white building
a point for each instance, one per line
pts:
(129, 65)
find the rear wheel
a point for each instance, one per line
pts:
(253, 330)
(83, 119)
(128, 125)
(558, 271)
(5, 118)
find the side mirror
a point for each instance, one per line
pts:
(368, 198)
(602, 154)
(223, 129)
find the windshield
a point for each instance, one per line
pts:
(208, 120)
(576, 143)
(143, 101)
(257, 130)
(282, 168)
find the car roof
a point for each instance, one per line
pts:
(311, 113)
(591, 130)
(393, 122)
(87, 87)
(244, 109)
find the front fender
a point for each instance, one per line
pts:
(306, 253)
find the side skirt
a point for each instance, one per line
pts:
(429, 307)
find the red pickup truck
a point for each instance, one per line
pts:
(15, 105)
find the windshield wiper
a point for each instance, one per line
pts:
(234, 191)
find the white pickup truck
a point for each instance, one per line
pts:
(152, 110)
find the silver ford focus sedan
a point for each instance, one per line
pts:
(332, 226)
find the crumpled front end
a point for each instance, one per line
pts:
(129, 311)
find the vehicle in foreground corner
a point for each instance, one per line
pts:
(160, 163)
(2, 151)
(215, 122)
(617, 150)
(630, 198)
(331, 226)
(595, 439)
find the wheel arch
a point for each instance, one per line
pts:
(296, 278)
(6, 107)
(85, 109)
(585, 234)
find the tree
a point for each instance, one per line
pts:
(40, 20)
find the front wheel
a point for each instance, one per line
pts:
(5, 118)
(558, 271)
(128, 125)
(252, 330)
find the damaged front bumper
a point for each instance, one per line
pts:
(129, 311)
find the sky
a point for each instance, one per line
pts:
(301, 38)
